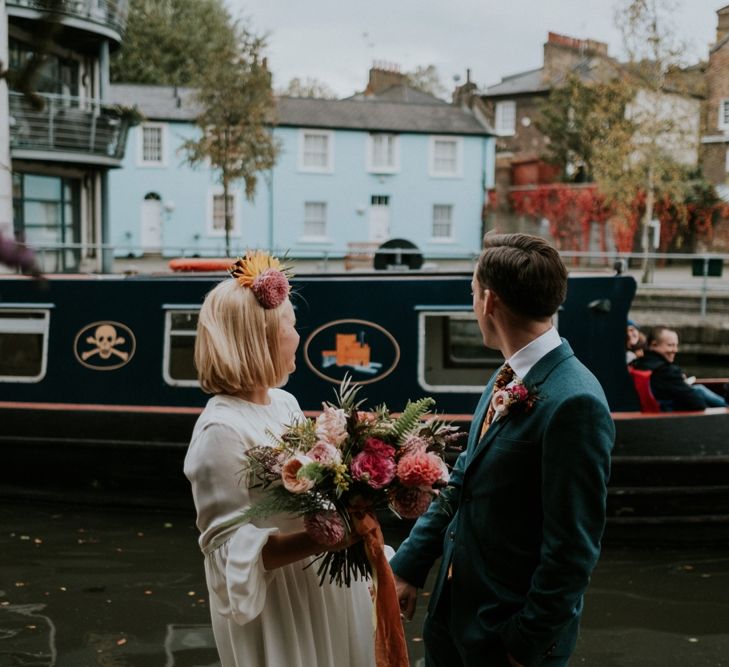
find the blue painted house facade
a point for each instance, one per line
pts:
(400, 164)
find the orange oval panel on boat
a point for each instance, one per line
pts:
(359, 348)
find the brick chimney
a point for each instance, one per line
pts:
(383, 75)
(562, 53)
(722, 24)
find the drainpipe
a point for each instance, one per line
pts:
(107, 254)
(6, 179)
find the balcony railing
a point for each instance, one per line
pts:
(84, 129)
(109, 14)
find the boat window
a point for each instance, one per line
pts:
(452, 356)
(179, 367)
(23, 344)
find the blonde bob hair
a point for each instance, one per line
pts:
(236, 349)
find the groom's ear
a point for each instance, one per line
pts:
(489, 300)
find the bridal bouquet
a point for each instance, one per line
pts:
(338, 470)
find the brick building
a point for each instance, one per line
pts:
(715, 139)
(513, 105)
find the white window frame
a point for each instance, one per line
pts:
(38, 325)
(218, 192)
(500, 116)
(442, 239)
(370, 162)
(723, 119)
(141, 162)
(465, 313)
(329, 167)
(435, 173)
(726, 162)
(316, 237)
(167, 349)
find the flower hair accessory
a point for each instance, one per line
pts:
(265, 276)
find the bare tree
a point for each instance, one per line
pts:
(237, 113)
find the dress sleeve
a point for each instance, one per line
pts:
(237, 580)
(234, 568)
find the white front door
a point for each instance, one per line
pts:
(151, 236)
(379, 218)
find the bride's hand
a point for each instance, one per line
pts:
(348, 541)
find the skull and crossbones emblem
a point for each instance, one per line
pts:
(105, 340)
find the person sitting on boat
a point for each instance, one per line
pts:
(635, 342)
(669, 384)
(267, 606)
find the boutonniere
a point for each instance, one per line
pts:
(514, 397)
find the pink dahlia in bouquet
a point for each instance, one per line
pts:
(348, 463)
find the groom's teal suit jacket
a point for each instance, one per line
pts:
(522, 519)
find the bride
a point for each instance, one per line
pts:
(267, 606)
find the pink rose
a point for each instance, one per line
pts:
(325, 453)
(419, 469)
(290, 474)
(373, 468)
(331, 425)
(518, 392)
(378, 447)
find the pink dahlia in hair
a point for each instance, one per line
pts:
(325, 528)
(410, 503)
(331, 425)
(375, 464)
(271, 288)
(419, 469)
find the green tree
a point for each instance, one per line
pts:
(172, 42)
(237, 111)
(575, 117)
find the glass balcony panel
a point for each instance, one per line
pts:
(108, 14)
(68, 125)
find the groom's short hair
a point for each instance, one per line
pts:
(526, 273)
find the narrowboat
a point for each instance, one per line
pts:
(98, 390)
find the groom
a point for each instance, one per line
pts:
(518, 529)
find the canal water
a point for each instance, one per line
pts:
(95, 587)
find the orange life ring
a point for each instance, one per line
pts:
(201, 264)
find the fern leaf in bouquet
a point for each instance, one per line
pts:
(410, 418)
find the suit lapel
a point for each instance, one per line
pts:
(533, 380)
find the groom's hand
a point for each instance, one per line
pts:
(513, 662)
(408, 596)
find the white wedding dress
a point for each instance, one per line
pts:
(260, 618)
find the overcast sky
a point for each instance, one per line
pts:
(336, 41)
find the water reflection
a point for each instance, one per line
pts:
(90, 587)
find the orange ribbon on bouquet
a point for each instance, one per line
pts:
(390, 647)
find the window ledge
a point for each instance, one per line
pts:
(318, 240)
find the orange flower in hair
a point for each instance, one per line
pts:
(264, 275)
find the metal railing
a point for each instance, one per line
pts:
(108, 13)
(68, 124)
